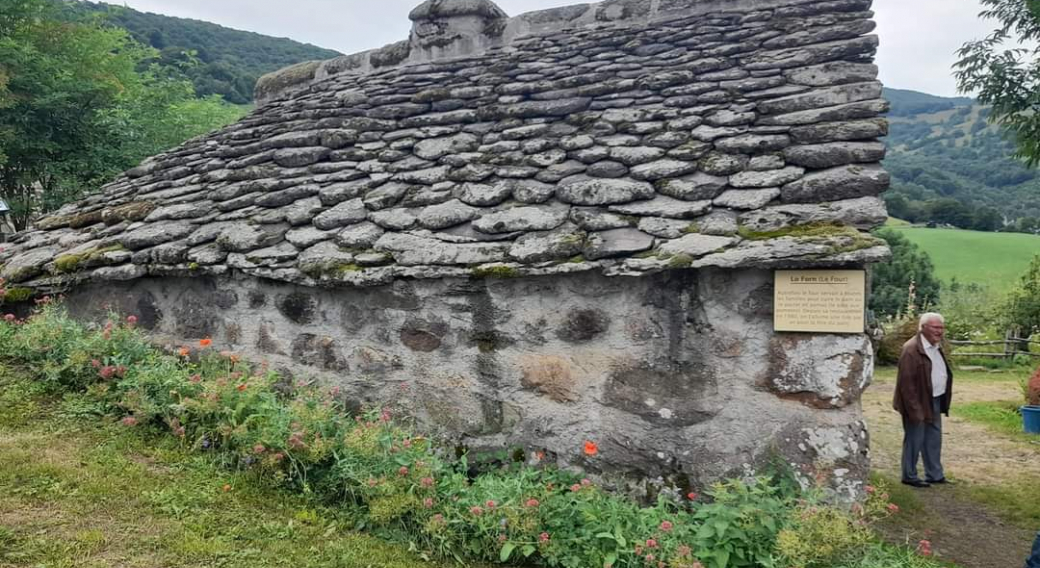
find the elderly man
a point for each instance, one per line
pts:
(924, 385)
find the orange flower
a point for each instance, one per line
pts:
(183, 351)
(227, 487)
(591, 448)
(205, 342)
(242, 386)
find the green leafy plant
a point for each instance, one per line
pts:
(387, 478)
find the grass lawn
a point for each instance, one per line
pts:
(994, 260)
(92, 493)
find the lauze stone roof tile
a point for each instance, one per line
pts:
(627, 137)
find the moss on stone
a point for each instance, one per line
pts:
(344, 267)
(68, 263)
(330, 269)
(496, 271)
(856, 242)
(800, 231)
(691, 229)
(680, 261)
(14, 295)
(647, 254)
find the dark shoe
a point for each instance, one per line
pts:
(940, 482)
(916, 483)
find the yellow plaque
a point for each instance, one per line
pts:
(829, 301)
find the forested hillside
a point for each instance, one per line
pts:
(949, 166)
(227, 62)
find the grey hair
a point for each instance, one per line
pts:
(925, 318)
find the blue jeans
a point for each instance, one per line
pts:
(1034, 559)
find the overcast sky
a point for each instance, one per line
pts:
(918, 37)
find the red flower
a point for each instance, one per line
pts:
(426, 482)
(403, 471)
(259, 449)
(131, 320)
(666, 526)
(9, 317)
(490, 504)
(476, 510)
(575, 488)
(893, 508)
(544, 537)
(242, 387)
(428, 502)
(129, 421)
(531, 503)
(591, 448)
(651, 543)
(205, 342)
(691, 495)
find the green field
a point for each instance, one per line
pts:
(994, 260)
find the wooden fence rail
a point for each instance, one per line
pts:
(1012, 347)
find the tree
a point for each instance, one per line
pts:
(986, 219)
(1022, 309)
(1007, 78)
(80, 103)
(951, 212)
(890, 283)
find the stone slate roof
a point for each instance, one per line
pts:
(628, 136)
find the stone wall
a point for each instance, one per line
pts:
(531, 230)
(677, 375)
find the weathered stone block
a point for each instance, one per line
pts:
(823, 371)
(580, 190)
(844, 182)
(616, 242)
(820, 156)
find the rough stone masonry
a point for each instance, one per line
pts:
(529, 231)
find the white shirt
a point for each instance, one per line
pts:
(938, 367)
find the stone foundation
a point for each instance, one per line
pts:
(675, 375)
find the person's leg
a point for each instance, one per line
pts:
(932, 449)
(913, 440)
(1034, 559)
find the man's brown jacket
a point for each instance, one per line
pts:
(913, 398)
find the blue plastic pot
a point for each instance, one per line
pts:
(1031, 419)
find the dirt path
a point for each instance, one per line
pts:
(961, 530)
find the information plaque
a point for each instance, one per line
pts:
(828, 301)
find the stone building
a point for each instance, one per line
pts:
(529, 231)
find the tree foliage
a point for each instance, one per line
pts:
(224, 61)
(891, 281)
(942, 149)
(80, 103)
(1005, 74)
(1022, 309)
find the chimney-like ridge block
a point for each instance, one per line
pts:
(627, 137)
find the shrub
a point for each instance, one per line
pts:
(1033, 389)
(896, 335)
(396, 482)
